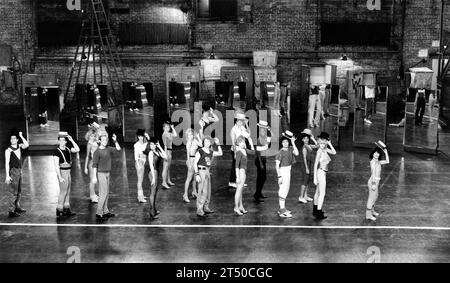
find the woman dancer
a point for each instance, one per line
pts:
(92, 146)
(167, 137)
(374, 181)
(202, 163)
(283, 164)
(192, 145)
(306, 164)
(320, 173)
(241, 168)
(139, 157)
(155, 154)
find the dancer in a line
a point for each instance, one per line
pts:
(261, 159)
(155, 153)
(283, 164)
(62, 158)
(167, 138)
(307, 162)
(92, 146)
(13, 169)
(241, 172)
(102, 168)
(140, 158)
(240, 128)
(192, 145)
(320, 173)
(202, 164)
(374, 182)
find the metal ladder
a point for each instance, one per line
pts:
(96, 48)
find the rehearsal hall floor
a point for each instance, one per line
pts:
(414, 225)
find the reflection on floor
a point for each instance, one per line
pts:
(425, 135)
(365, 133)
(44, 135)
(414, 193)
(141, 119)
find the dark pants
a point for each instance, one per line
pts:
(261, 176)
(420, 110)
(15, 189)
(369, 107)
(233, 169)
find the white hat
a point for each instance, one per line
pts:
(263, 124)
(240, 116)
(380, 144)
(288, 134)
(307, 132)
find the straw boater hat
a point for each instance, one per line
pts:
(263, 124)
(307, 132)
(288, 134)
(380, 144)
(240, 116)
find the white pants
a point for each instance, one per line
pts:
(314, 101)
(285, 173)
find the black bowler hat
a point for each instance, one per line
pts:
(324, 136)
(153, 140)
(140, 132)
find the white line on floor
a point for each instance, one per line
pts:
(222, 226)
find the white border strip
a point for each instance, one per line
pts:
(224, 226)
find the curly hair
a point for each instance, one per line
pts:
(380, 152)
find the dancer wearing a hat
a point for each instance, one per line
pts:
(202, 164)
(102, 162)
(283, 164)
(241, 153)
(167, 138)
(62, 157)
(155, 153)
(374, 182)
(13, 169)
(240, 128)
(92, 146)
(261, 159)
(192, 145)
(320, 173)
(306, 164)
(140, 158)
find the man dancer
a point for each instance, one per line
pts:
(261, 159)
(102, 168)
(13, 168)
(62, 158)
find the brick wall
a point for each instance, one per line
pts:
(288, 26)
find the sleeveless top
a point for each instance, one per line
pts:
(14, 160)
(241, 160)
(205, 158)
(191, 148)
(324, 160)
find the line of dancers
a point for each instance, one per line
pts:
(313, 157)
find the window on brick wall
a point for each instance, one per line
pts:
(364, 34)
(62, 33)
(217, 10)
(153, 34)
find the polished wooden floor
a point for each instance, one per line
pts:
(414, 225)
